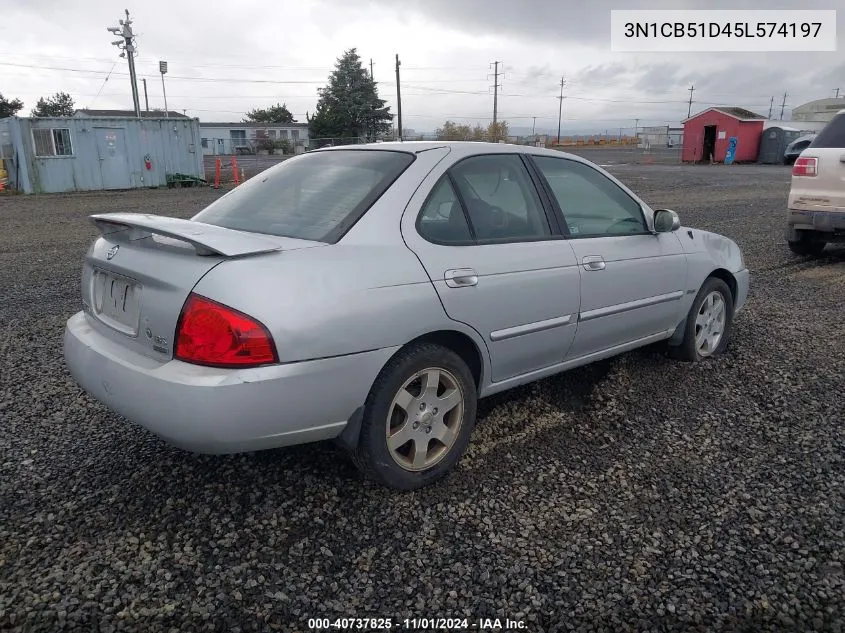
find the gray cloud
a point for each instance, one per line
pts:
(538, 40)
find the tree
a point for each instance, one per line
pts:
(60, 104)
(497, 131)
(349, 105)
(278, 113)
(9, 107)
(451, 131)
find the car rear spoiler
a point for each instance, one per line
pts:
(206, 239)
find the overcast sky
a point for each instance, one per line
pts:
(227, 57)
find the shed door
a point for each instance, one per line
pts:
(111, 146)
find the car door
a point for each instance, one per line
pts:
(632, 279)
(497, 260)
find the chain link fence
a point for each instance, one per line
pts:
(251, 156)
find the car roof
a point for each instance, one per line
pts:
(457, 148)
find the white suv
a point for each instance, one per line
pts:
(817, 197)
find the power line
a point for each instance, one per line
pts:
(97, 96)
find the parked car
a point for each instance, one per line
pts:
(794, 149)
(371, 294)
(816, 207)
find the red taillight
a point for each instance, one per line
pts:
(805, 167)
(212, 334)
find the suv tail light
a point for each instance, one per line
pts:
(209, 333)
(805, 167)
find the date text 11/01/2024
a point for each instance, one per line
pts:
(718, 29)
(417, 624)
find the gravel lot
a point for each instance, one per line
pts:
(636, 494)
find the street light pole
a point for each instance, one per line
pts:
(162, 68)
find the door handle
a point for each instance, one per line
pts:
(593, 262)
(461, 277)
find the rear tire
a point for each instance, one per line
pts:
(807, 244)
(709, 322)
(418, 418)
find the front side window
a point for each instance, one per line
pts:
(592, 204)
(500, 199)
(315, 196)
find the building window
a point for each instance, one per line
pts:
(272, 134)
(52, 142)
(205, 142)
(283, 133)
(238, 135)
(294, 134)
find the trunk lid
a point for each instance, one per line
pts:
(138, 274)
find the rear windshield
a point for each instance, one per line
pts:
(832, 135)
(316, 196)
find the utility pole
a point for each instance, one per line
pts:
(560, 109)
(162, 68)
(146, 98)
(127, 46)
(771, 104)
(533, 126)
(496, 87)
(782, 106)
(689, 109)
(398, 98)
(372, 122)
(837, 93)
(636, 134)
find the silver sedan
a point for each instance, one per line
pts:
(372, 294)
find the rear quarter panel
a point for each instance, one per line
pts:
(368, 291)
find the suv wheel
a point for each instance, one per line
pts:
(807, 243)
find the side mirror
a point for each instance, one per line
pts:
(665, 221)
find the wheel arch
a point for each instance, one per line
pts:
(726, 276)
(470, 349)
(460, 343)
(719, 273)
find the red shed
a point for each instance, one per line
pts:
(714, 127)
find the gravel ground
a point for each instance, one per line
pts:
(635, 494)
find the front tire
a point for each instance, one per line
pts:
(418, 418)
(709, 323)
(807, 244)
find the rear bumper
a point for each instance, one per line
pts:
(830, 220)
(209, 410)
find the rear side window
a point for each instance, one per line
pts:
(316, 196)
(500, 198)
(442, 220)
(832, 135)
